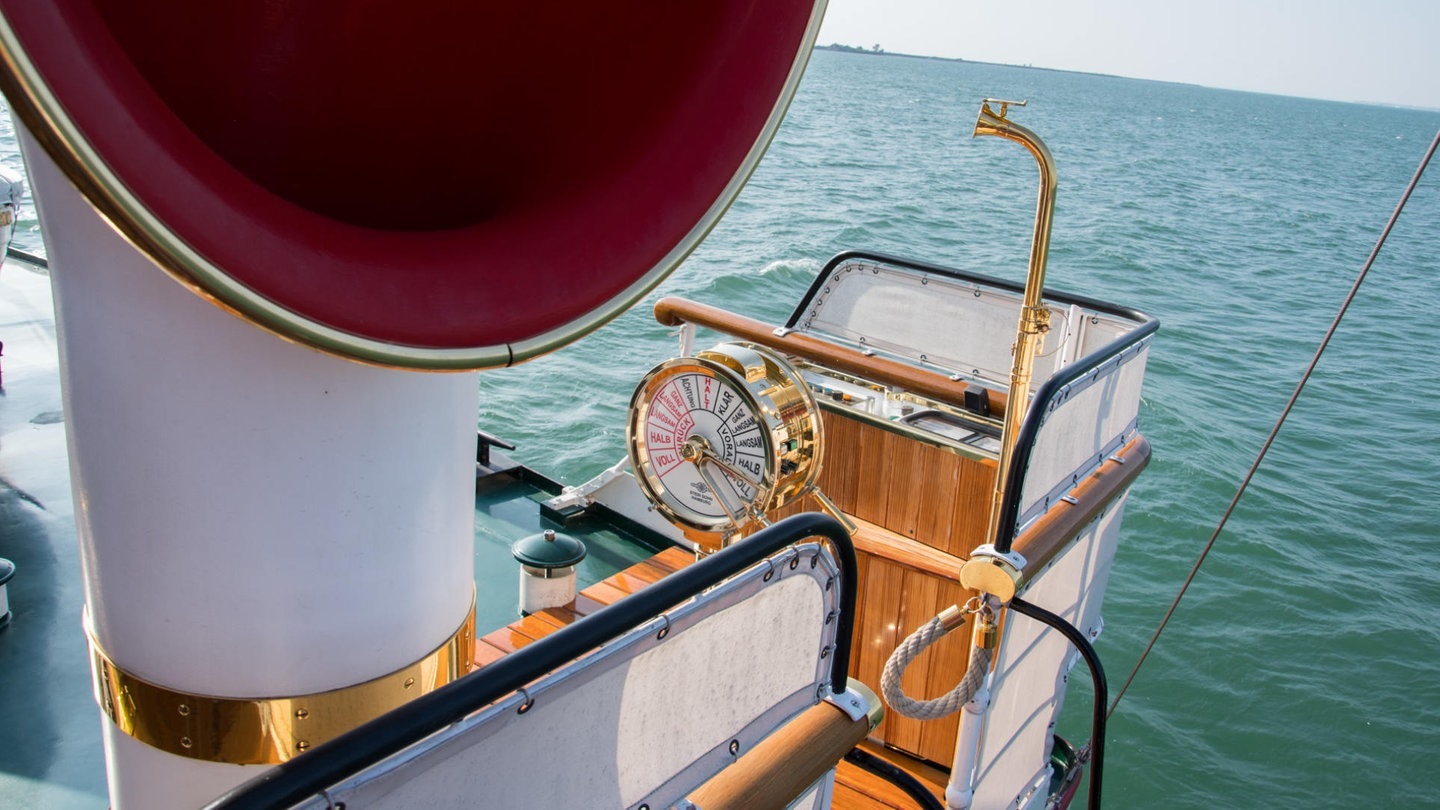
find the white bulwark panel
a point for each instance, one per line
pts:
(644, 720)
(1033, 666)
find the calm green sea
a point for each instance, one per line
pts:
(1301, 671)
(1303, 668)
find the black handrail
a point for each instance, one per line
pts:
(347, 754)
(1030, 428)
(24, 256)
(1102, 690)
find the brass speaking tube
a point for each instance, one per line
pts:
(1034, 315)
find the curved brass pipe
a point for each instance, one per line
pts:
(1034, 315)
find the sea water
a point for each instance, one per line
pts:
(1301, 669)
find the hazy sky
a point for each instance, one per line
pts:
(1348, 50)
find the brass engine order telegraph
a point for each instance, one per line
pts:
(719, 439)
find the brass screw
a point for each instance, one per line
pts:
(185, 742)
(302, 713)
(301, 745)
(409, 682)
(184, 710)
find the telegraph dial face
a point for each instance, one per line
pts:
(719, 439)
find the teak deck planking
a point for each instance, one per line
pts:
(492, 646)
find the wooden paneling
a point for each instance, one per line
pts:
(896, 600)
(876, 623)
(970, 511)
(918, 595)
(920, 510)
(945, 664)
(876, 541)
(875, 458)
(905, 484)
(914, 489)
(941, 472)
(840, 469)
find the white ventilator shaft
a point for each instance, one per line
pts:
(256, 519)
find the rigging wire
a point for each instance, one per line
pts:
(1284, 413)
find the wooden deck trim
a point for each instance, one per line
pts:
(905, 551)
(608, 592)
(675, 311)
(1058, 526)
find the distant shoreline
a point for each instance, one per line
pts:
(838, 48)
(877, 51)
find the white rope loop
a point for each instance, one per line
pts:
(946, 704)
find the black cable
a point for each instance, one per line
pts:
(1284, 413)
(17, 253)
(896, 776)
(1097, 674)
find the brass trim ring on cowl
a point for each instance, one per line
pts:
(267, 731)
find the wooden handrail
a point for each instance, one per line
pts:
(675, 311)
(1041, 540)
(789, 761)
(1057, 527)
(906, 552)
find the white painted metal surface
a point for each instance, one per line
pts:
(646, 718)
(1092, 420)
(960, 792)
(616, 489)
(953, 325)
(538, 591)
(143, 776)
(1028, 684)
(256, 519)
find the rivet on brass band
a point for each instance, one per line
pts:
(266, 731)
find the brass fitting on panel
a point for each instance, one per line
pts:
(951, 617)
(987, 629)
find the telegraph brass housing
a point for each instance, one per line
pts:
(664, 434)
